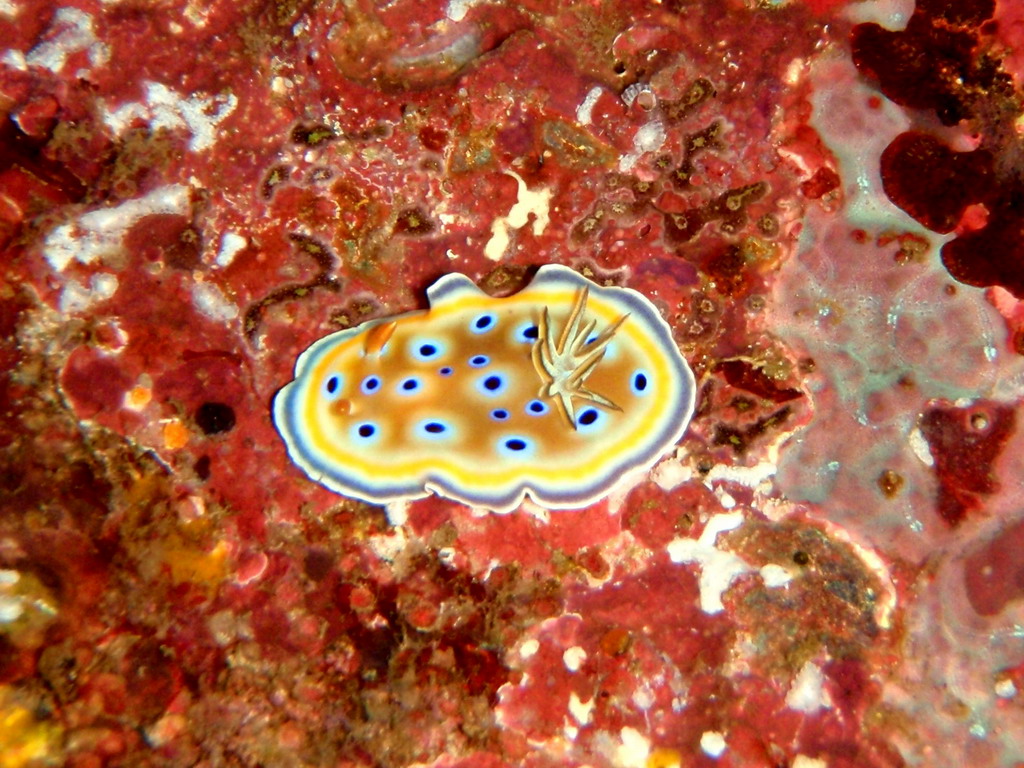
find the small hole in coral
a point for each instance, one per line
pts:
(202, 467)
(214, 418)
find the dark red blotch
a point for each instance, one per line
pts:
(932, 63)
(743, 375)
(943, 62)
(167, 236)
(933, 183)
(965, 443)
(994, 573)
(94, 381)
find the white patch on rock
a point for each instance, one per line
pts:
(11, 609)
(712, 743)
(71, 31)
(634, 749)
(807, 693)
(858, 137)
(230, 244)
(538, 203)
(890, 14)
(536, 511)
(14, 60)
(749, 477)
(99, 232)
(574, 658)
(165, 108)
(529, 648)
(388, 546)
(671, 473)
(803, 761)
(718, 569)
(211, 301)
(725, 498)
(76, 297)
(648, 138)
(585, 111)
(775, 576)
(919, 445)
(580, 711)
(643, 698)
(1005, 689)
(457, 9)
(397, 513)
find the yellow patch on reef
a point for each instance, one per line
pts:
(553, 393)
(27, 608)
(664, 758)
(24, 740)
(191, 563)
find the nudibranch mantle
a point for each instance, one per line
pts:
(554, 393)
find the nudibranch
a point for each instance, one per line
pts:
(554, 393)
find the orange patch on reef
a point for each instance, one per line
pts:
(175, 435)
(664, 758)
(138, 397)
(189, 563)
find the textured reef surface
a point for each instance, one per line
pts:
(823, 199)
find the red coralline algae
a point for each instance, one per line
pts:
(807, 193)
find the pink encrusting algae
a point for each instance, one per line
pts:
(790, 542)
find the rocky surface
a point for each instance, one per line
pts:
(822, 198)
